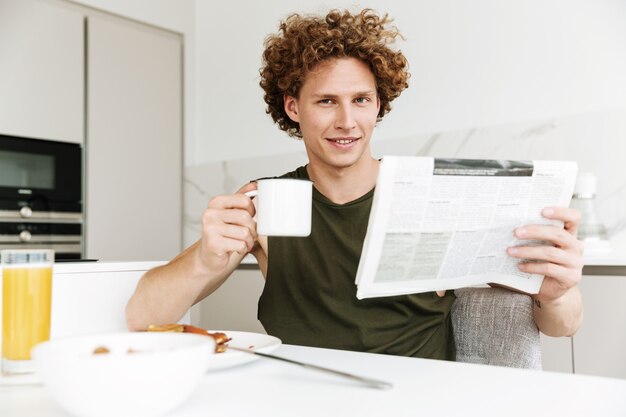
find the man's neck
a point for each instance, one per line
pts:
(342, 185)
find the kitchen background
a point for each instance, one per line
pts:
(163, 95)
(525, 79)
(490, 79)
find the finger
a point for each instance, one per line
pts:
(217, 217)
(558, 272)
(215, 234)
(238, 217)
(543, 253)
(238, 233)
(252, 185)
(441, 293)
(234, 224)
(234, 201)
(222, 246)
(553, 234)
(569, 216)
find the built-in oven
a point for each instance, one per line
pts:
(41, 196)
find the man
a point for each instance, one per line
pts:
(329, 80)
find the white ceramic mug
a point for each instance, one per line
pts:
(283, 206)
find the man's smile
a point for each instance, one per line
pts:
(343, 140)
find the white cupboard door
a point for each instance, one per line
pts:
(600, 344)
(41, 70)
(134, 141)
(556, 354)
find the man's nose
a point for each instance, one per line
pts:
(345, 118)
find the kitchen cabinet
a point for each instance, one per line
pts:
(134, 141)
(73, 73)
(598, 347)
(234, 305)
(556, 354)
(41, 70)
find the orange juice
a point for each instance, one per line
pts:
(26, 298)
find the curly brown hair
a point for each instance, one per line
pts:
(305, 41)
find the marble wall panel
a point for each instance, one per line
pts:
(225, 177)
(596, 141)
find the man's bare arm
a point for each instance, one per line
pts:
(560, 317)
(164, 294)
(558, 309)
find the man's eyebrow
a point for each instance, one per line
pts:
(357, 94)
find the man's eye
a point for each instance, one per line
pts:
(362, 100)
(325, 101)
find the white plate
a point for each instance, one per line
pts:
(260, 342)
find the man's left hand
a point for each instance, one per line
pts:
(560, 260)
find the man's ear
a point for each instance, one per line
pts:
(291, 108)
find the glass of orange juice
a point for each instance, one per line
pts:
(26, 302)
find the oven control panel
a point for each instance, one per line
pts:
(30, 229)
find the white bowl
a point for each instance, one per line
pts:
(160, 374)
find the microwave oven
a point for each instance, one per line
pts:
(41, 195)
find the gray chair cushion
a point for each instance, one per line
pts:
(495, 326)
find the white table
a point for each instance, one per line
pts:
(421, 388)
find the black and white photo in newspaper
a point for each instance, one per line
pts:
(442, 224)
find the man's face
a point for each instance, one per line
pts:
(336, 109)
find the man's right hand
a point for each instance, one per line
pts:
(165, 293)
(227, 227)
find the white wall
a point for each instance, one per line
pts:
(473, 63)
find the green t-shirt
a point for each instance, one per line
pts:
(310, 295)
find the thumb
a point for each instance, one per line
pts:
(252, 185)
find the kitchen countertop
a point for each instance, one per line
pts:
(609, 255)
(70, 267)
(91, 297)
(597, 262)
(605, 258)
(82, 267)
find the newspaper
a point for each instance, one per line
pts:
(440, 224)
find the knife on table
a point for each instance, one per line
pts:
(374, 383)
(223, 343)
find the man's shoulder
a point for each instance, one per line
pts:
(298, 173)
